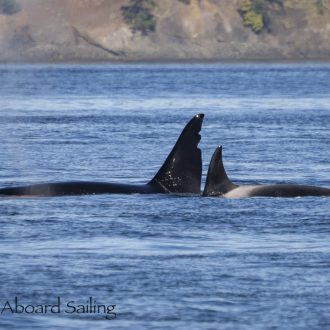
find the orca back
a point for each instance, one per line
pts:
(181, 173)
(288, 190)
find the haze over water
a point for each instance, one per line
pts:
(166, 262)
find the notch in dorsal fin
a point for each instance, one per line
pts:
(182, 170)
(217, 181)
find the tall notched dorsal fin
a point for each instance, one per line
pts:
(182, 170)
(217, 181)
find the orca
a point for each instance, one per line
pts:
(219, 184)
(180, 174)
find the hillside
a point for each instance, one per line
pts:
(93, 30)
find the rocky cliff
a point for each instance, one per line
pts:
(93, 30)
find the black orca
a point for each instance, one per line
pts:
(180, 174)
(218, 184)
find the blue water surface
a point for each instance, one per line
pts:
(166, 262)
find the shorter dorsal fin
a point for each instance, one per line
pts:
(217, 181)
(182, 170)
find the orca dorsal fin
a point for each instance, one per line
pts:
(182, 170)
(217, 181)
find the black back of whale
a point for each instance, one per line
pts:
(219, 184)
(181, 174)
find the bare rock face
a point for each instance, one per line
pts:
(93, 30)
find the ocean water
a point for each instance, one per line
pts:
(165, 262)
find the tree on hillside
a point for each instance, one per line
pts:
(320, 6)
(138, 16)
(9, 7)
(256, 13)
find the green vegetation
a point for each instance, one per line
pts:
(187, 2)
(9, 7)
(320, 6)
(250, 17)
(255, 13)
(138, 16)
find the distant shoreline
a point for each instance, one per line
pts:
(171, 61)
(179, 31)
